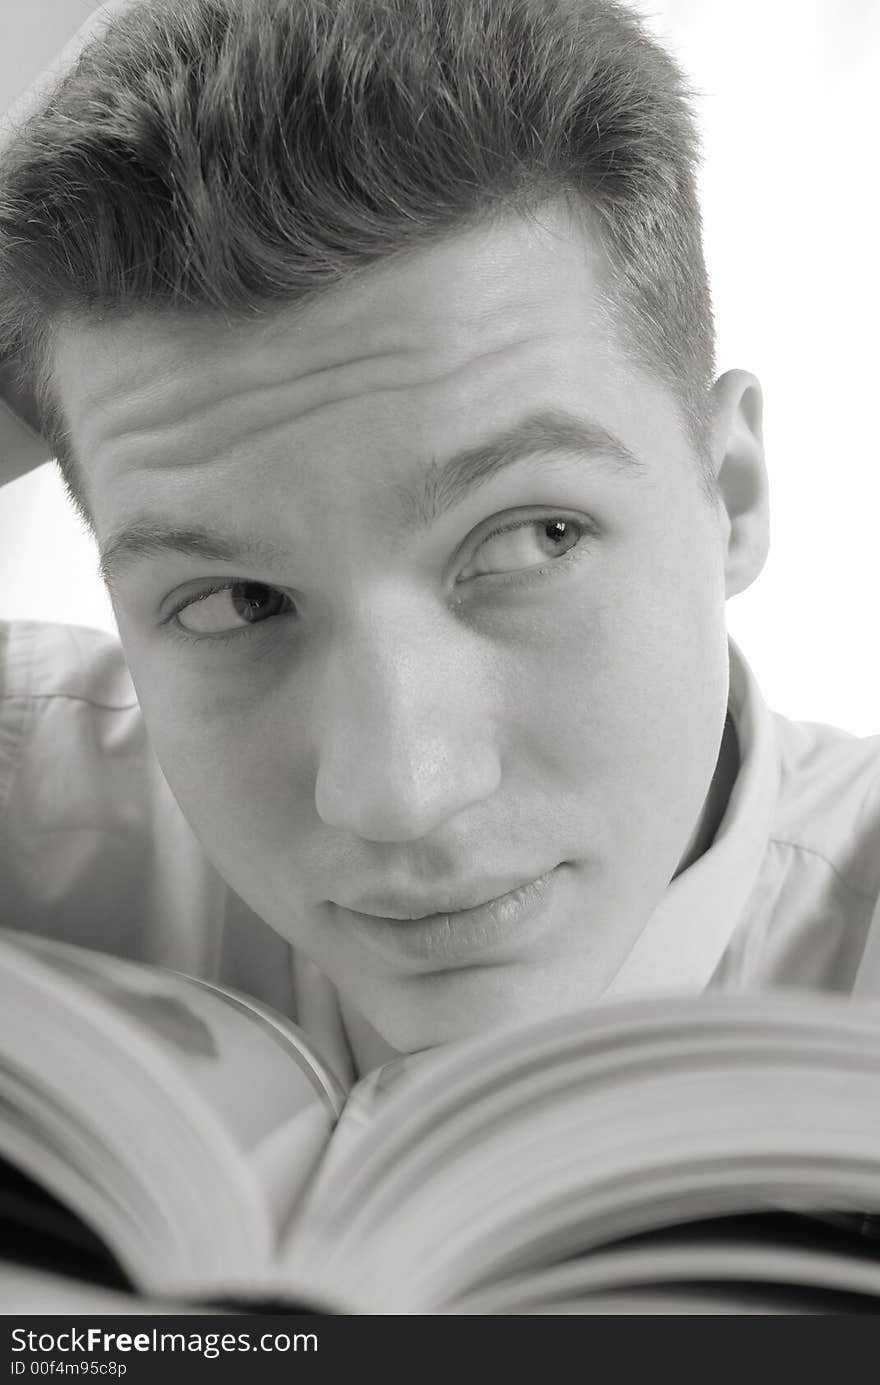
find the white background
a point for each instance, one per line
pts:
(788, 109)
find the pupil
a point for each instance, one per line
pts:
(555, 530)
(251, 599)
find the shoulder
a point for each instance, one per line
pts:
(829, 799)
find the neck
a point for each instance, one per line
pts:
(368, 1049)
(715, 805)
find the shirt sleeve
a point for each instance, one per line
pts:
(867, 979)
(94, 849)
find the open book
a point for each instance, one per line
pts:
(711, 1153)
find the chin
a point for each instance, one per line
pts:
(445, 1007)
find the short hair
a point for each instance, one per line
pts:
(222, 159)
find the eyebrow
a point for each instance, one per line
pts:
(444, 485)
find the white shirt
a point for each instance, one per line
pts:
(94, 849)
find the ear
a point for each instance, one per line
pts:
(741, 477)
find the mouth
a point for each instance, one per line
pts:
(438, 935)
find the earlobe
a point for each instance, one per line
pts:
(741, 477)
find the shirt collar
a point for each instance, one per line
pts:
(689, 930)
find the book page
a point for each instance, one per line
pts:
(204, 1099)
(516, 1152)
(219, 1039)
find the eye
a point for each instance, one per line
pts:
(526, 544)
(234, 606)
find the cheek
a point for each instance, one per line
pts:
(243, 782)
(662, 690)
(232, 760)
(622, 695)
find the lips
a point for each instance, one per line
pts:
(402, 907)
(414, 931)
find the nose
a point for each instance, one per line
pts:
(407, 741)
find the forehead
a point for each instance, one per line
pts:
(412, 351)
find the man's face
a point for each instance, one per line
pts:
(384, 691)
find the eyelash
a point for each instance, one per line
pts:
(588, 530)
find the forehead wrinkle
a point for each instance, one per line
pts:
(323, 381)
(196, 410)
